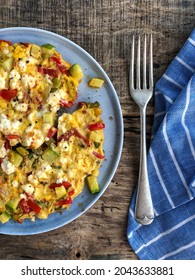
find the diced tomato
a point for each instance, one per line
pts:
(23, 204)
(66, 201)
(5, 41)
(96, 126)
(48, 71)
(8, 94)
(66, 104)
(33, 206)
(12, 136)
(66, 184)
(52, 131)
(97, 155)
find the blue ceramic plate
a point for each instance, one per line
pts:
(112, 117)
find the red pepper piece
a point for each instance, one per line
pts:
(39, 102)
(12, 136)
(56, 59)
(24, 44)
(8, 94)
(54, 185)
(63, 70)
(79, 135)
(23, 204)
(71, 193)
(7, 145)
(66, 201)
(5, 41)
(48, 71)
(81, 104)
(74, 132)
(66, 104)
(96, 126)
(61, 67)
(20, 221)
(97, 155)
(33, 206)
(66, 184)
(67, 135)
(52, 131)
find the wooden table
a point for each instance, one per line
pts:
(104, 29)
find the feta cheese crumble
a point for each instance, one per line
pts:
(7, 166)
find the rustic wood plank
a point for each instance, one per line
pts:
(104, 29)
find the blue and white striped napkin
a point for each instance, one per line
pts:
(171, 164)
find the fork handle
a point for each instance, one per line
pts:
(144, 212)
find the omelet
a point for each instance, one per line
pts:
(45, 158)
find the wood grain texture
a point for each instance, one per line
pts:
(104, 29)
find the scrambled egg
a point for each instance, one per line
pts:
(44, 160)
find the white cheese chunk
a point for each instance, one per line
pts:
(14, 77)
(20, 95)
(63, 160)
(45, 128)
(5, 51)
(54, 99)
(21, 107)
(28, 188)
(32, 117)
(15, 184)
(33, 180)
(64, 146)
(7, 166)
(3, 151)
(22, 65)
(8, 127)
(22, 196)
(33, 138)
(44, 171)
(28, 81)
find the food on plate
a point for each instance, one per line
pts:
(44, 158)
(96, 83)
(76, 71)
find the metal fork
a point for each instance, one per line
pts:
(141, 94)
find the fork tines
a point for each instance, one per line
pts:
(146, 54)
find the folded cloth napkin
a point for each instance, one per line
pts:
(171, 166)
